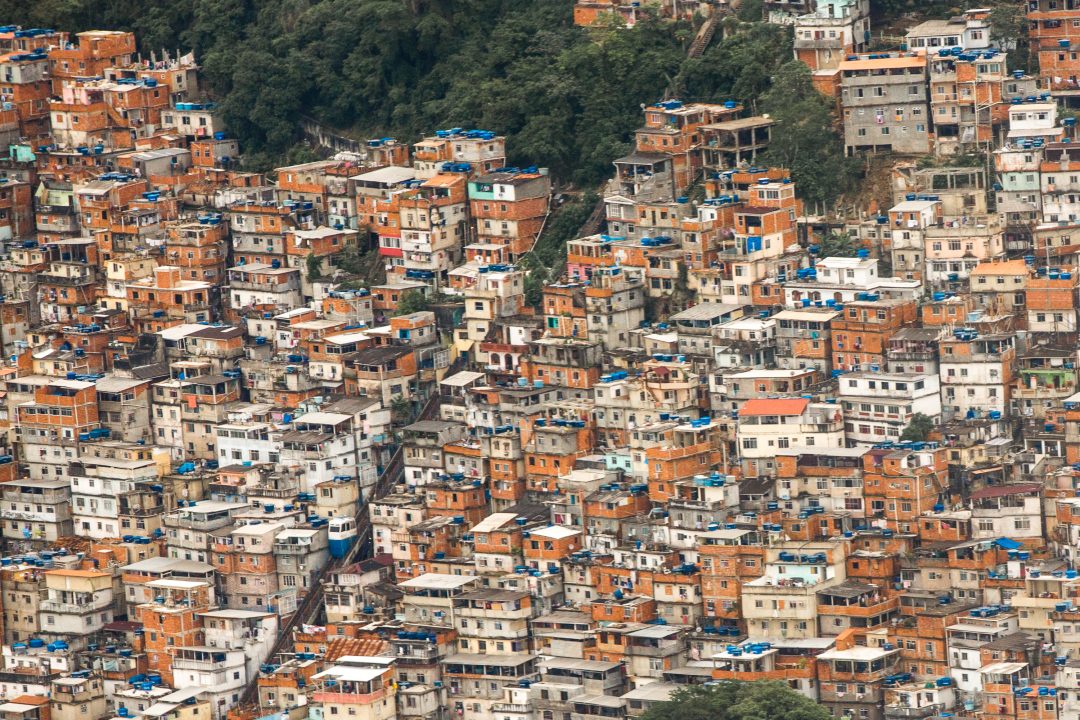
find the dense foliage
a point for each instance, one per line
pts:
(837, 244)
(413, 301)
(546, 261)
(804, 139)
(738, 701)
(568, 98)
(918, 429)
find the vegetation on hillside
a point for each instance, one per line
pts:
(804, 139)
(567, 97)
(738, 701)
(547, 260)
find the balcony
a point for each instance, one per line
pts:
(924, 355)
(417, 654)
(27, 675)
(142, 511)
(512, 708)
(74, 608)
(663, 650)
(612, 713)
(264, 491)
(860, 609)
(821, 43)
(66, 280)
(906, 711)
(861, 676)
(346, 698)
(57, 224)
(272, 287)
(291, 549)
(207, 666)
(47, 498)
(69, 696)
(694, 504)
(780, 673)
(204, 525)
(1064, 84)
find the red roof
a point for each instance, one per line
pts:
(773, 406)
(993, 491)
(31, 700)
(339, 647)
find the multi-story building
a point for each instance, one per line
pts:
(878, 406)
(884, 103)
(832, 32)
(76, 604)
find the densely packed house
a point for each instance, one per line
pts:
(728, 441)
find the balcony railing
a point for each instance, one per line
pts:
(905, 711)
(347, 698)
(511, 708)
(260, 286)
(291, 549)
(195, 524)
(142, 512)
(824, 43)
(66, 280)
(49, 498)
(418, 654)
(73, 608)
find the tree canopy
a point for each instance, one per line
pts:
(804, 139)
(837, 244)
(566, 97)
(314, 267)
(918, 429)
(737, 701)
(412, 301)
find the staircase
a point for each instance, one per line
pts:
(591, 226)
(704, 36)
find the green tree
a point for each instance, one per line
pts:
(837, 244)
(918, 429)
(314, 267)
(534, 289)
(412, 301)
(740, 68)
(804, 139)
(351, 260)
(751, 11)
(564, 224)
(737, 701)
(401, 411)
(567, 98)
(1009, 29)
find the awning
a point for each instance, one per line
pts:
(1008, 544)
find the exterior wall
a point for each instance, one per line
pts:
(886, 112)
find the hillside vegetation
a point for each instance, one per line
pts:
(568, 98)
